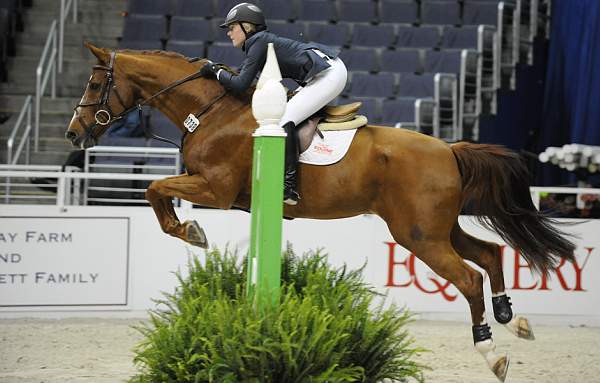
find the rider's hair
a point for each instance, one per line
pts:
(249, 27)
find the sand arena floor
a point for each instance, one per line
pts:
(99, 351)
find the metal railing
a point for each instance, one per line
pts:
(24, 115)
(51, 60)
(46, 68)
(65, 7)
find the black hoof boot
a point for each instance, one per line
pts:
(502, 310)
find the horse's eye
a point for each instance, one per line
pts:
(94, 86)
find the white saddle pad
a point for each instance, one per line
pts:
(328, 150)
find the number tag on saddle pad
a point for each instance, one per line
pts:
(191, 123)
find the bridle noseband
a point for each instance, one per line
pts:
(104, 116)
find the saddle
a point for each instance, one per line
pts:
(341, 117)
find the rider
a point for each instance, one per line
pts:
(316, 67)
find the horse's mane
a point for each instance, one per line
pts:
(169, 54)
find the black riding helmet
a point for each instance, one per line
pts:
(246, 13)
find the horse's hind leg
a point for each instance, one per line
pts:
(192, 188)
(441, 257)
(487, 255)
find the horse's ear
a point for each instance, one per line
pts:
(101, 53)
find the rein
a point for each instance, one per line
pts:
(105, 116)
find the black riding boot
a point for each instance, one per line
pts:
(290, 195)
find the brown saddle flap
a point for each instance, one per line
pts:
(341, 113)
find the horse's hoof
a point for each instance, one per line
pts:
(521, 328)
(194, 234)
(500, 368)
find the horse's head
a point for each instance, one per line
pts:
(103, 101)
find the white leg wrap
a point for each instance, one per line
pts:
(498, 363)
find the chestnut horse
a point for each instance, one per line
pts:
(416, 183)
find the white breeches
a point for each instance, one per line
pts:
(317, 93)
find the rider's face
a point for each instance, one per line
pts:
(236, 34)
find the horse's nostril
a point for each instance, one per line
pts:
(70, 135)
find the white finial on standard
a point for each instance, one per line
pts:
(269, 98)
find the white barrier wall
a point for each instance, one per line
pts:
(115, 260)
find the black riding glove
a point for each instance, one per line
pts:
(209, 70)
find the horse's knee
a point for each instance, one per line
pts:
(152, 191)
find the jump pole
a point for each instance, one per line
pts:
(264, 262)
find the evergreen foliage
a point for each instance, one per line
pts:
(325, 329)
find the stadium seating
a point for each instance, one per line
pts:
(144, 28)
(373, 85)
(398, 12)
(296, 31)
(394, 49)
(398, 111)
(154, 7)
(191, 29)
(357, 11)
(187, 48)
(194, 8)
(440, 12)
(367, 36)
(331, 34)
(317, 10)
(418, 37)
(360, 59)
(278, 10)
(406, 60)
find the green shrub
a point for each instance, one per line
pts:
(325, 329)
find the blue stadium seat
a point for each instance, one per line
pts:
(317, 10)
(373, 85)
(440, 12)
(398, 110)
(371, 107)
(360, 59)
(191, 29)
(460, 38)
(417, 37)
(278, 10)
(442, 61)
(187, 48)
(415, 85)
(225, 53)
(398, 11)
(194, 8)
(330, 34)
(295, 31)
(144, 28)
(480, 13)
(154, 7)
(373, 36)
(357, 11)
(219, 34)
(146, 45)
(406, 60)
(162, 126)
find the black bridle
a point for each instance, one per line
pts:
(105, 116)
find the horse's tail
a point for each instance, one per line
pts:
(495, 184)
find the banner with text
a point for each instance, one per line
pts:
(52, 261)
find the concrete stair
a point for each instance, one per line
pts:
(100, 22)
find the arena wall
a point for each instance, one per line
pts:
(113, 261)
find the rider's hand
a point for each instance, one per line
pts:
(209, 70)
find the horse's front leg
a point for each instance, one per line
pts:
(193, 188)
